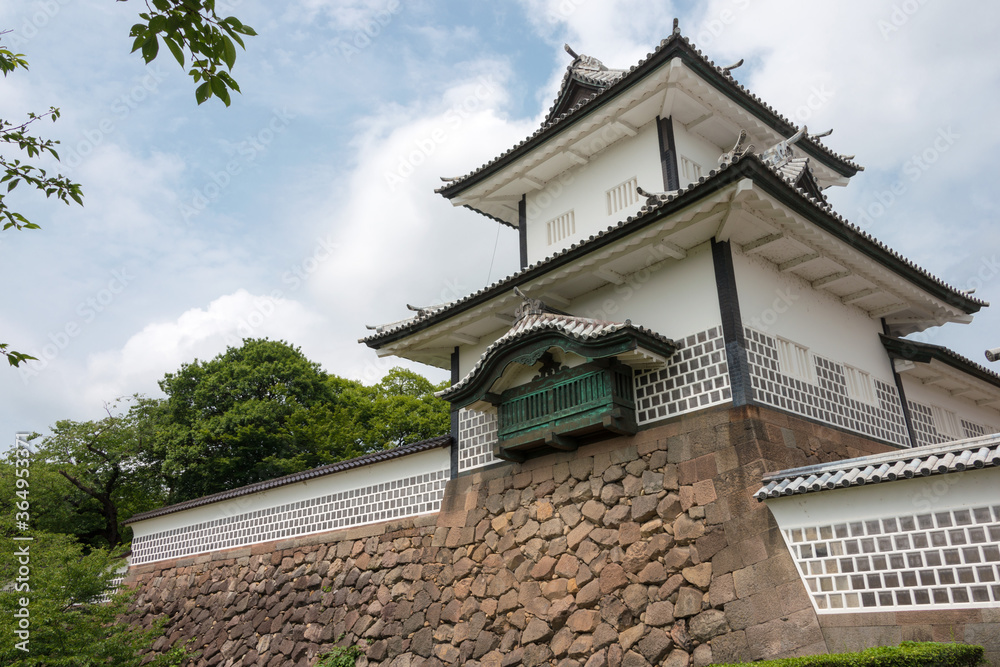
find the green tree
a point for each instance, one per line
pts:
(192, 31)
(225, 422)
(263, 410)
(89, 477)
(359, 419)
(72, 616)
(405, 410)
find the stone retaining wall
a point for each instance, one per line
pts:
(634, 551)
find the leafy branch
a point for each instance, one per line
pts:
(193, 27)
(13, 171)
(187, 27)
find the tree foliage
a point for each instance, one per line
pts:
(263, 410)
(253, 413)
(191, 29)
(89, 477)
(224, 422)
(71, 615)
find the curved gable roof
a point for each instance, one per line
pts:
(533, 334)
(676, 45)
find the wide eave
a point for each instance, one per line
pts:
(747, 203)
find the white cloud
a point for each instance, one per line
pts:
(199, 333)
(397, 241)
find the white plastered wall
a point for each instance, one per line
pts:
(673, 298)
(697, 149)
(420, 463)
(887, 499)
(469, 355)
(911, 544)
(929, 395)
(788, 307)
(583, 190)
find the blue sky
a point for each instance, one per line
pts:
(306, 209)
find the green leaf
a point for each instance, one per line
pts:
(150, 48)
(157, 23)
(175, 49)
(230, 81)
(219, 88)
(229, 54)
(203, 92)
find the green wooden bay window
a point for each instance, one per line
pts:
(559, 410)
(586, 396)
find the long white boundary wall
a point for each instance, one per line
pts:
(406, 486)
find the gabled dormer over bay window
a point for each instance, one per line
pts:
(556, 381)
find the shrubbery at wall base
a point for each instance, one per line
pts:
(907, 654)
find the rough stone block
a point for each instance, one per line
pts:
(730, 648)
(688, 602)
(655, 645)
(784, 635)
(659, 614)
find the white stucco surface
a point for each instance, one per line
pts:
(673, 298)
(783, 305)
(906, 497)
(696, 148)
(928, 394)
(386, 471)
(583, 190)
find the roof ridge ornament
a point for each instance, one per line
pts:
(730, 68)
(780, 153)
(994, 354)
(528, 306)
(654, 198)
(738, 150)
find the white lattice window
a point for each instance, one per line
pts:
(622, 195)
(795, 360)
(560, 227)
(859, 385)
(938, 559)
(947, 424)
(690, 169)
